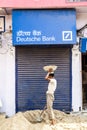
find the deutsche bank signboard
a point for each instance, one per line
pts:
(44, 27)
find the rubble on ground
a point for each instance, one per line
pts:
(29, 121)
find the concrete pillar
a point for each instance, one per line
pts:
(76, 79)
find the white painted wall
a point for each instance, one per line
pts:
(3, 81)
(10, 84)
(76, 79)
(81, 20)
(7, 71)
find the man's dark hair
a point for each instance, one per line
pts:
(51, 74)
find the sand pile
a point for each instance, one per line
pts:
(17, 122)
(29, 121)
(34, 116)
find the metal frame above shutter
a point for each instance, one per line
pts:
(31, 85)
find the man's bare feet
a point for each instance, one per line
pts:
(53, 122)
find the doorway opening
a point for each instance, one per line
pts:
(84, 80)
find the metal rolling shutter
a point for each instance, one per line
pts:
(30, 83)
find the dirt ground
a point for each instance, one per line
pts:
(29, 120)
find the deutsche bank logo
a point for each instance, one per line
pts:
(67, 35)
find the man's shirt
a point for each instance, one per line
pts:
(52, 86)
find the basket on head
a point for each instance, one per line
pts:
(50, 67)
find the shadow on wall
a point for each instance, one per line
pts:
(82, 32)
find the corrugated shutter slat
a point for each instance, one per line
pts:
(31, 85)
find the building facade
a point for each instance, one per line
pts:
(22, 77)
